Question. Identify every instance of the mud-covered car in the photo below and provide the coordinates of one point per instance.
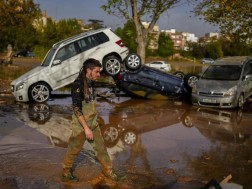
(63, 61)
(151, 83)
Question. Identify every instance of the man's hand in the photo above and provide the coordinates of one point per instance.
(89, 133)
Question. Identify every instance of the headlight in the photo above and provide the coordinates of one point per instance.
(231, 92)
(20, 86)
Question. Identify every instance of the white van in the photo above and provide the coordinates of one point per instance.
(63, 61)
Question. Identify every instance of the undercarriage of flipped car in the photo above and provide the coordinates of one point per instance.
(151, 83)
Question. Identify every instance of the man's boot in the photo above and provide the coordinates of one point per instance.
(67, 175)
(110, 173)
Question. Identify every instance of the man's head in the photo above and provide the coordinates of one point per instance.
(92, 69)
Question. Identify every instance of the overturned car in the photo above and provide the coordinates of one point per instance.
(151, 83)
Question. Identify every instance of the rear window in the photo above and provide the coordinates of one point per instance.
(102, 37)
(92, 41)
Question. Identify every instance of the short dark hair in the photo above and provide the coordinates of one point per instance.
(91, 63)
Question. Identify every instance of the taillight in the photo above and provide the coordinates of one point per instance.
(119, 77)
(120, 43)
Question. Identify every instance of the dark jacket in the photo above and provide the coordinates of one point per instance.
(78, 94)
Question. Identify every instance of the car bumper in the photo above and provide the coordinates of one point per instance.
(124, 53)
(20, 95)
(219, 102)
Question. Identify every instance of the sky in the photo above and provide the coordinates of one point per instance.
(178, 18)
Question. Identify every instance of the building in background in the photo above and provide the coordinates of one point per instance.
(154, 34)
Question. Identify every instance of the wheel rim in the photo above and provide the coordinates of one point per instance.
(133, 61)
(240, 101)
(130, 138)
(192, 80)
(180, 75)
(40, 93)
(113, 66)
(188, 122)
(110, 134)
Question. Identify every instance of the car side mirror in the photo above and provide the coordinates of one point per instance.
(56, 62)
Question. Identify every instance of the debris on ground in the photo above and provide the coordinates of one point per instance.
(224, 184)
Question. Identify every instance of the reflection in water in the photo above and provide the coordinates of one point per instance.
(53, 121)
(143, 135)
(231, 132)
(221, 125)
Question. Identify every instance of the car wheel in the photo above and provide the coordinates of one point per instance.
(39, 113)
(238, 116)
(133, 61)
(39, 92)
(240, 102)
(111, 65)
(129, 137)
(191, 79)
(179, 74)
(110, 135)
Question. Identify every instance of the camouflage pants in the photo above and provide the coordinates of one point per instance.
(78, 138)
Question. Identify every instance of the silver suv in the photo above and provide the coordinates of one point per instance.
(226, 83)
(63, 61)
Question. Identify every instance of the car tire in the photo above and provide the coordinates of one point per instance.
(129, 137)
(110, 135)
(133, 61)
(179, 74)
(239, 116)
(187, 120)
(39, 113)
(39, 92)
(111, 65)
(190, 80)
(240, 101)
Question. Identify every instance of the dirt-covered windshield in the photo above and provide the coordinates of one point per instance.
(223, 72)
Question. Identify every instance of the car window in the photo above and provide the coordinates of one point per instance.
(66, 52)
(48, 57)
(101, 37)
(223, 72)
(247, 69)
(86, 43)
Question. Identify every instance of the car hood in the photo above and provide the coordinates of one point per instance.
(215, 85)
(34, 72)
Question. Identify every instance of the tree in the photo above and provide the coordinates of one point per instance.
(137, 11)
(16, 18)
(96, 24)
(67, 27)
(232, 16)
(165, 45)
(128, 35)
(213, 50)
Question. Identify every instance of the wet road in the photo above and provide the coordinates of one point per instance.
(157, 144)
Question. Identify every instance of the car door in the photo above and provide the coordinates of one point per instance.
(247, 79)
(69, 60)
(66, 65)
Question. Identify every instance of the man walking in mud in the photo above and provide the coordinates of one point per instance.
(84, 123)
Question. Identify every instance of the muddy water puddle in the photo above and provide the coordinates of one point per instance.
(157, 144)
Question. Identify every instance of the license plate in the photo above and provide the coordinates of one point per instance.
(207, 100)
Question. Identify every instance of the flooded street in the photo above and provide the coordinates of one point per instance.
(157, 144)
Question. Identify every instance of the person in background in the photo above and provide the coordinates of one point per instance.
(84, 123)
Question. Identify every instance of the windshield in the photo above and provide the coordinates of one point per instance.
(222, 72)
(48, 57)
